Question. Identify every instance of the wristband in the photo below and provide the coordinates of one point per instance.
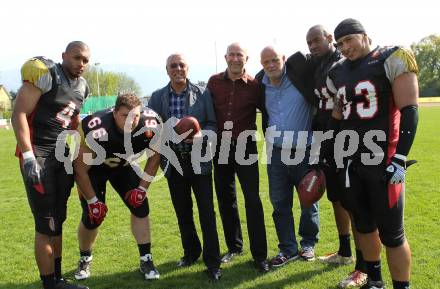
(92, 200)
(28, 155)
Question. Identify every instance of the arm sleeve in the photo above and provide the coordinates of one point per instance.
(210, 114)
(331, 85)
(36, 72)
(400, 61)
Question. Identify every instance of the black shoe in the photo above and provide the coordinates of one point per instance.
(63, 284)
(230, 255)
(214, 274)
(262, 266)
(185, 262)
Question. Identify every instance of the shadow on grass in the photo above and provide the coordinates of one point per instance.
(298, 280)
(233, 275)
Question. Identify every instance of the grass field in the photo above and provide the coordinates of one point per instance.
(115, 252)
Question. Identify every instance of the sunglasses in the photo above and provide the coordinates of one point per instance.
(175, 65)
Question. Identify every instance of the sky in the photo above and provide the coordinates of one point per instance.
(137, 36)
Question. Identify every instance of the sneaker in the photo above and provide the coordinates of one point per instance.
(147, 267)
(64, 284)
(84, 266)
(230, 255)
(307, 253)
(281, 259)
(373, 285)
(336, 259)
(354, 279)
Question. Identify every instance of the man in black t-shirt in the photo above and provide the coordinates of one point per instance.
(48, 103)
(115, 137)
(325, 54)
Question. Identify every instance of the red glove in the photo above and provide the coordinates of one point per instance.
(97, 211)
(136, 197)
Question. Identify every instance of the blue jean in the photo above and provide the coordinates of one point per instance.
(282, 179)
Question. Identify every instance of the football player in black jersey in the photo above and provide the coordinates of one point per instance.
(114, 137)
(376, 97)
(325, 54)
(48, 103)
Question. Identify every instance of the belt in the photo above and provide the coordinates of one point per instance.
(183, 154)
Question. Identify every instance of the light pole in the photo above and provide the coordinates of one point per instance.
(97, 76)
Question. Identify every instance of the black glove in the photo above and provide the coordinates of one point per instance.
(31, 171)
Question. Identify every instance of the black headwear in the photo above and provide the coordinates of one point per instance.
(348, 26)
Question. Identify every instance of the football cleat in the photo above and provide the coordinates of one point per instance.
(336, 259)
(373, 285)
(354, 279)
(64, 284)
(84, 266)
(147, 268)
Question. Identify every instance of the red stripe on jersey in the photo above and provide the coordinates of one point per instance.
(394, 191)
(30, 119)
(393, 129)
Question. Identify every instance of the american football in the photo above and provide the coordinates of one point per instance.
(311, 187)
(187, 123)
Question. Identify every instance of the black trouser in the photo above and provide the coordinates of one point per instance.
(180, 190)
(248, 175)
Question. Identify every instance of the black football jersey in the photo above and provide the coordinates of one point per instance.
(364, 90)
(325, 96)
(61, 100)
(100, 133)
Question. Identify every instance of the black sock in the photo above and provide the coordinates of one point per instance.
(400, 284)
(48, 281)
(86, 253)
(344, 246)
(58, 268)
(374, 270)
(360, 263)
(144, 249)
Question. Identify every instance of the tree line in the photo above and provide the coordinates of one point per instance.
(427, 52)
(110, 83)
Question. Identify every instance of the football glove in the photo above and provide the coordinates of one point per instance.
(31, 172)
(136, 197)
(395, 171)
(97, 211)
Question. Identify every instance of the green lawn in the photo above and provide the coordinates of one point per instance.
(116, 257)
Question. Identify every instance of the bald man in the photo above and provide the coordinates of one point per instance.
(288, 109)
(237, 95)
(49, 102)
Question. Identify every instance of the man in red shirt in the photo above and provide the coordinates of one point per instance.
(236, 96)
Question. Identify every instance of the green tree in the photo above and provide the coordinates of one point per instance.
(110, 83)
(427, 53)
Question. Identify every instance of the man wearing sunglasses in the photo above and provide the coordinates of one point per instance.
(180, 98)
